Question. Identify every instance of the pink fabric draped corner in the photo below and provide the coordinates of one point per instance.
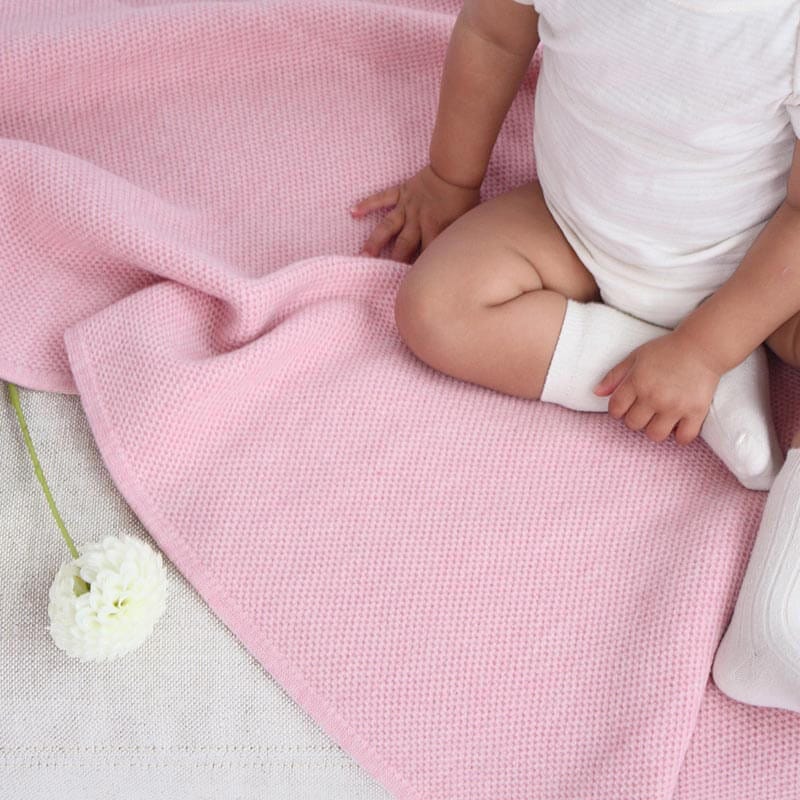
(479, 597)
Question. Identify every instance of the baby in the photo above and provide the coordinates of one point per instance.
(643, 271)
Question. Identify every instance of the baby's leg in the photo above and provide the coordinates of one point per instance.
(484, 302)
(758, 660)
(500, 298)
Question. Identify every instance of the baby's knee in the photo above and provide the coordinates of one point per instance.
(423, 314)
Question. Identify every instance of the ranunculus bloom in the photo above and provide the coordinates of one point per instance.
(127, 596)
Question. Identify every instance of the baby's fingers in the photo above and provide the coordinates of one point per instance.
(688, 429)
(613, 377)
(384, 231)
(660, 427)
(638, 416)
(383, 199)
(622, 399)
(407, 241)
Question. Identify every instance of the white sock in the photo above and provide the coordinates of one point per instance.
(758, 660)
(738, 428)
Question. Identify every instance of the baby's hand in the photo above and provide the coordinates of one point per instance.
(664, 383)
(422, 207)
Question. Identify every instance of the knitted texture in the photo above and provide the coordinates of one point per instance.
(478, 596)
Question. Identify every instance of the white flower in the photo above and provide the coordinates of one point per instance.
(127, 596)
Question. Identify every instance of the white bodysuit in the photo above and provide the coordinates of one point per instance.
(664, 132)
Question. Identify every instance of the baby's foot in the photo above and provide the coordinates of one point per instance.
(739, 427)
(758, 660)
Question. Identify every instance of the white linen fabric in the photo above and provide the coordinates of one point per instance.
(664, 136)
(190, 714)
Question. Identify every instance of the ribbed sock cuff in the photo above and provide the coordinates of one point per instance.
(594, 338)
(559, 385)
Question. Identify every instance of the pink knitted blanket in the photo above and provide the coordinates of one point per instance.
(479, 597)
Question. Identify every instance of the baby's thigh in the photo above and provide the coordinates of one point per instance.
(498, 250)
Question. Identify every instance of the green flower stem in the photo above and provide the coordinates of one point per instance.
(81, 585)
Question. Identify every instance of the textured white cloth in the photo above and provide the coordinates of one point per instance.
(664, 135)
(758, 660)
(739, 428)
(190, 715)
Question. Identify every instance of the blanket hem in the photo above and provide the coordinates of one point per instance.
(38, 380)
(277, 665)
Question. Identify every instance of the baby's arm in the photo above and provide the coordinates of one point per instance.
(489, 52)
(670, 381)
(760, 296)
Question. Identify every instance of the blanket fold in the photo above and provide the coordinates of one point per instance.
(478, 596)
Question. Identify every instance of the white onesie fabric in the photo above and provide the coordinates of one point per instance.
(664, 136)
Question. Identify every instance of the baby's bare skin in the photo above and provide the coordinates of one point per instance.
(485, 298)
(462, 313)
